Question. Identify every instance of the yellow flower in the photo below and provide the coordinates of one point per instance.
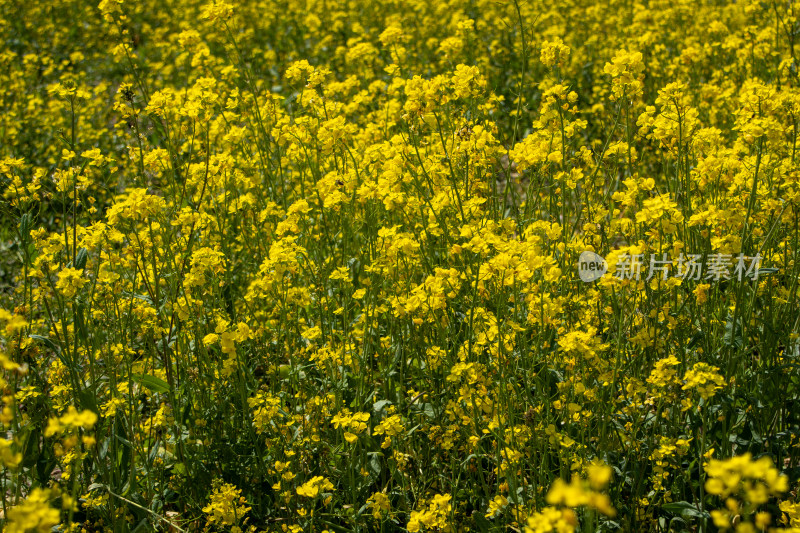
(599, 475)
(227, 506)
(578, 493)
(754, 480)
(217, 11)
(71, 420)
(553, 52)
(391, 35)
(431, 516)
(314, 487)
(705, 378)
(379, 503)
(70, 281)
(496, 506)
(34, 514)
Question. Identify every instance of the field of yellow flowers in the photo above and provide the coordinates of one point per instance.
(413, 265)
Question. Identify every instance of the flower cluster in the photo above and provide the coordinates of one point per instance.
(227, 506)
(745, 484)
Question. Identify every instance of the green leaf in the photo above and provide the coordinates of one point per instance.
(47, 342)
(31, 449)
(334, 526)
(379, 406)
(685, 510)
(83, 333)
(88, 400)
(374, 464)
(696, 338)
(25, 224)
(80, 260)
(151, 383)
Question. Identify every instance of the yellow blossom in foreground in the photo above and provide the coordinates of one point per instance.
(755, 480)
(33, 515)
(551, 519)
(71, 420)
(577, 493)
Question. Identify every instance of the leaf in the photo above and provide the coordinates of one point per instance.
(374, 464)
(80, 259)
(427, 410)
(25, 223)
(151, 383)
(334, 526)
(481, 521)
(83, 333)
(378, 406)
(143, 525)
(696, 338)
(31, 450)
(144, 298)
(88, 400)
(685, 510)
(179, 469)
(47, 342)
(733, 333)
